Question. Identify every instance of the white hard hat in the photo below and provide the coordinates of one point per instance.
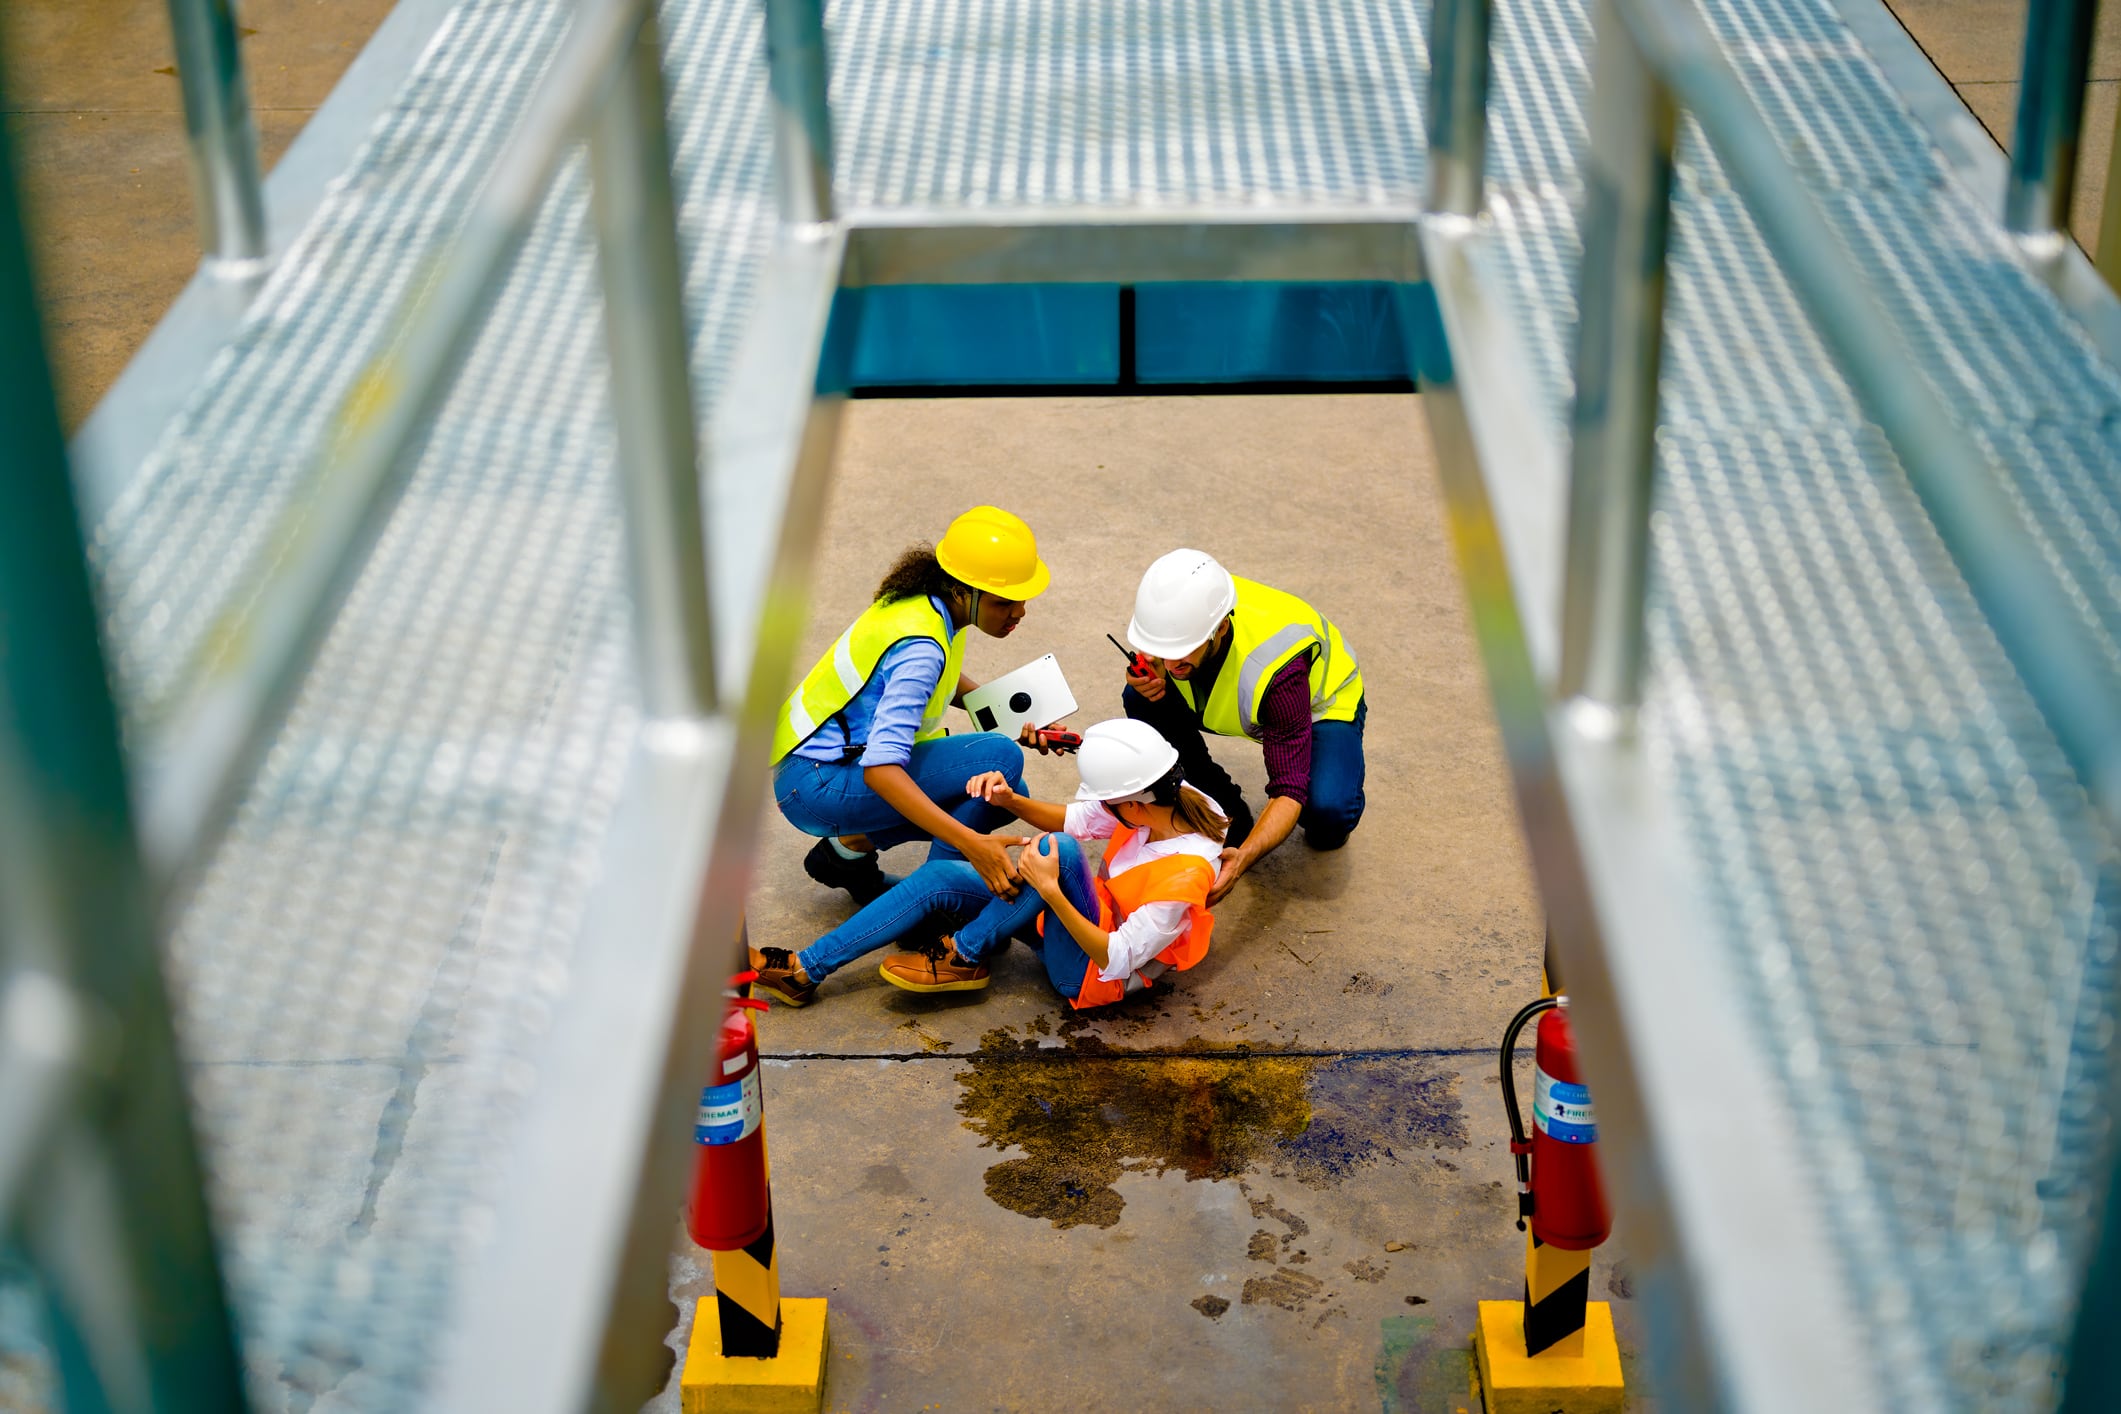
(1182, 598)
(1120, 760)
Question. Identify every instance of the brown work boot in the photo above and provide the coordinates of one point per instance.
(782, 976)
(939, 971)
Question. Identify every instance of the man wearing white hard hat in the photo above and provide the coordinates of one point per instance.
(1102, 935)
(1236, 658)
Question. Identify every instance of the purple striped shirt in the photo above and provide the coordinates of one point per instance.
(1285, 730)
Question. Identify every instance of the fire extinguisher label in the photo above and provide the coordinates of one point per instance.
(729, 1112)
(1562, 1110)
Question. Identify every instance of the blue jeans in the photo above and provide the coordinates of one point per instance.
(951, 892)
(1004, 918)
(830, 798)
(1336, 802)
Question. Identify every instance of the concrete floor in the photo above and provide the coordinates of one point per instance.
(88, 93)
(1200, 1190)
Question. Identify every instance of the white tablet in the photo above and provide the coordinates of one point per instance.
(1035, 693)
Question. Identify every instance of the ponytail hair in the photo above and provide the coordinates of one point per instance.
(916, 575)
(1194, 811)
(1190, 809)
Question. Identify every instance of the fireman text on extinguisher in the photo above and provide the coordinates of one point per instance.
(1562, 1110)
(729, 1112)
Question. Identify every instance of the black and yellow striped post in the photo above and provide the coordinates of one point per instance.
(1557, 1292)
(747, 1297)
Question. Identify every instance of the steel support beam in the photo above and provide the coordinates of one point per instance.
(1619, 335)
(915, 247)
(224, 141)
(1458, 106)
(651, 387)
(2058, 55)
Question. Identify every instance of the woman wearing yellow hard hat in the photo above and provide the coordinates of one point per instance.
(860, 758)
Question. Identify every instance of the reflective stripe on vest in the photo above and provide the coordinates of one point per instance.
(839, 677)
(1267, 629)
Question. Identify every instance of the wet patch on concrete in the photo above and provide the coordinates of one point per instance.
(885, 1178)
(1367, 1108)
(1082, 1113)
(1287, 1288)
(1264, 1208)
(1083, 1120)
(921, 1036)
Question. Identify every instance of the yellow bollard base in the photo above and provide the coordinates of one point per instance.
(1512, 1382)
(792, 1382)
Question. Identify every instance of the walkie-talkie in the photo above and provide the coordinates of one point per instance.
(1139, 662)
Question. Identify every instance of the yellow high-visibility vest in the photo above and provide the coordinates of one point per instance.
(840, 675)
(1268, 628)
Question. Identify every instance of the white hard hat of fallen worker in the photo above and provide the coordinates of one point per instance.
(1182, 597)
(1120, 760)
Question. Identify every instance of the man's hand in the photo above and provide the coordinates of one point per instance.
(1029, 736)
(992, 787)
(1234, 865)
(1149, 684)
(990, 855)
(1040, 866)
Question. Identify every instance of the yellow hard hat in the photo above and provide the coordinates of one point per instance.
(994, 551)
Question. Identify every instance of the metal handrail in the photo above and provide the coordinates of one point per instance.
(102, 997)
(1458, 106)
(252, 660)
(99, 1176)
(1654, 59)
(2039, 627)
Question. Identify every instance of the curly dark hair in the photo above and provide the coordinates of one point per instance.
(916, 573)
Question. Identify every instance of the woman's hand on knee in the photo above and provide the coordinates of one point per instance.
(992, 787)
(1039, 864)
(989, 854)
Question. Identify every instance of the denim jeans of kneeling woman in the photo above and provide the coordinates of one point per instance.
(950, 892)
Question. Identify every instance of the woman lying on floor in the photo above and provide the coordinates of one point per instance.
(1103, 935)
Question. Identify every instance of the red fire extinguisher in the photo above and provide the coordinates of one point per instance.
(1557, 1167)
(728, 1207)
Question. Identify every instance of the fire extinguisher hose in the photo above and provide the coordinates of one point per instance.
(1520, 1144)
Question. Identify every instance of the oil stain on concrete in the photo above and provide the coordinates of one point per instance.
(1082, 1114)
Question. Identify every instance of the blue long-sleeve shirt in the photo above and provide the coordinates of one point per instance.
(885, 715)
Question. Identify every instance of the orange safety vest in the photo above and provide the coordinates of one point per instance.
(1184, 878)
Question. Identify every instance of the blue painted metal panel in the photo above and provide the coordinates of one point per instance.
(1232, 333)
(957, 334)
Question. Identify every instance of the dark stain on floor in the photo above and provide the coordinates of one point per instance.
(1368, 1108)
(1083, 1113)
(1210, 1306)
(1083, 1121)
(1287, 1288)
